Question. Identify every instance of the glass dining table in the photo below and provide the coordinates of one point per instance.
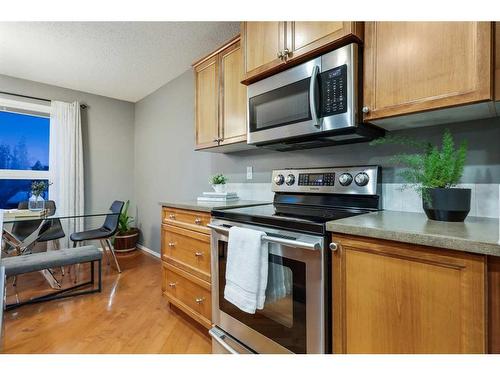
(23, 230)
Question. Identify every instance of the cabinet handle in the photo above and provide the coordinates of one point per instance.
(280, 55)
(171, 244)
(171, 216)
(199, 300)
(172, 285)
(216, 140)
(198, 254)
(197, 221)
(333, 247)
(286, 53)
(365, 109)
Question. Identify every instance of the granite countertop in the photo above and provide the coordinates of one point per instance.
(209, 206)
(475, 235)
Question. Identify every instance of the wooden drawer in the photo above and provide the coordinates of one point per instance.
(188, 293)
(187, 250)
(192, 220)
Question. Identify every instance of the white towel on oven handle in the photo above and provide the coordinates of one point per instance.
(246, 269)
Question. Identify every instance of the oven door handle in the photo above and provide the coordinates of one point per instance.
(223, 340)
(220, 340)
(277, 240)
(312, 97)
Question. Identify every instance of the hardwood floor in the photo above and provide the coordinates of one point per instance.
(128, 316)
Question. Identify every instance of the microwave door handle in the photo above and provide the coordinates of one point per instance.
(312, 97)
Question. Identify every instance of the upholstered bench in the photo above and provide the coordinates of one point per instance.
(52, 259)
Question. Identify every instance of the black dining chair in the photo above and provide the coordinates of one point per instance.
(103, 233)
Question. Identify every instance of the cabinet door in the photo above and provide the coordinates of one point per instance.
(411, 67)
(306, 37)
(262, 41)
(233, 122)
(493, 305)
(207, 101)
(390, 297)
(497, 61)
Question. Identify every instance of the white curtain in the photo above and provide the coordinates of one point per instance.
(66, 162)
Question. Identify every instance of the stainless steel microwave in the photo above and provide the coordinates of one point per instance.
(310, 105)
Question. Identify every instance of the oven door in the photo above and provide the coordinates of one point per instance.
(284, 105)
(293, 318)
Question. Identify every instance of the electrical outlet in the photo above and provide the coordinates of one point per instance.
(249, 173)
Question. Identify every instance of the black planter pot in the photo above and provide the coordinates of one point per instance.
(446, 204)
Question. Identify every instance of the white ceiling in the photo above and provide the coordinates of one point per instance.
(123, 60)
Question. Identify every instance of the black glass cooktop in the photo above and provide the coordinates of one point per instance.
(309, 219)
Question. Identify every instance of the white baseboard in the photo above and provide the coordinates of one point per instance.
(149, 251)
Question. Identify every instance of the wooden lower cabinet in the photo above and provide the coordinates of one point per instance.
(494, 305)
(188, 293)
(185, 254)
(390, 297)
(195, 221)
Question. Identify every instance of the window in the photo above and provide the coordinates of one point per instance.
(24, 150)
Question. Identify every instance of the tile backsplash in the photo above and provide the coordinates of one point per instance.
(484, 199)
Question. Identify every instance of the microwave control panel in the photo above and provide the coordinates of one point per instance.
(333, 84)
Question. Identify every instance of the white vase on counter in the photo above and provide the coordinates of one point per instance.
(219, 188)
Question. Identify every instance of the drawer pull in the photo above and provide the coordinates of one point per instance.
(172, 285)
(171, 216)
(198, 254)
(197, 221)
(199, 300)
(171, 244)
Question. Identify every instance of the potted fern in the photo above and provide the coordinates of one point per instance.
(127, 236)
(434, 173)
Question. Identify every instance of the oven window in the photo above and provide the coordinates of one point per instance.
(283, 318)
(285, 105)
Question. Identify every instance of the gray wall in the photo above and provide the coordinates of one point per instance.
(167, 168)
(108, 139)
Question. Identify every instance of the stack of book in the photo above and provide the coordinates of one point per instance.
(212, 196)
(15, 213)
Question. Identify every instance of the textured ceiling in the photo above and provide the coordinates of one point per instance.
(123, 60)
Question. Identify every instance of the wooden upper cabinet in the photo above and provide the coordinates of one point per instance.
(221, 99)
(233, 122)
(411, 67)
(497, 61)
(262, 43)
(207, 101)
(265, 42)
(305, 37)
(390, 297)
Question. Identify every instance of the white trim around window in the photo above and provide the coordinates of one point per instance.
(19, 106)
(25, 174)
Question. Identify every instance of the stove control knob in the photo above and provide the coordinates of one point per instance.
(290, 179)
(361, 179)
(279, 179)
(345, 179)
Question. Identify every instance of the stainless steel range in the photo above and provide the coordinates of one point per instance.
(297, 318)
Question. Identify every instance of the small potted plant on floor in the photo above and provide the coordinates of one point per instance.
(434, 173)
(126, 238)
(218, 182)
